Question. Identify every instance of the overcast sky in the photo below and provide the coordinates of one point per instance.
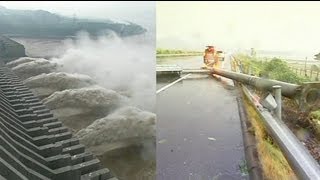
(139, 12)
(284, 26)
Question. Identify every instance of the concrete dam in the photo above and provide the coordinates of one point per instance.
(10, 49)
(59, 125)
(34, 144)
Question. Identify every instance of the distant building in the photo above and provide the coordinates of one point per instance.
(317, 56)
(10, 50)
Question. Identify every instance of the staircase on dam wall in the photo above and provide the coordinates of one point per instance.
(34, 144)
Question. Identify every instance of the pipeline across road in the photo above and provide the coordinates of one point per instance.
(307, 94)
(287, 89)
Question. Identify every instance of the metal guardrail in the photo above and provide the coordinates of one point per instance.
(298, 157)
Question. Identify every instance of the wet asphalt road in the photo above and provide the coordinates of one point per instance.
(198, 128)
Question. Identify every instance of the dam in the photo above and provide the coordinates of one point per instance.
(10, 49)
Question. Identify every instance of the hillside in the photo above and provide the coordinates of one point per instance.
(39, 23)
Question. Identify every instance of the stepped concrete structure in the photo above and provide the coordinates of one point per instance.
(34, 144)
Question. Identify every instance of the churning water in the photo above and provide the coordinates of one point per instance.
(104, 90)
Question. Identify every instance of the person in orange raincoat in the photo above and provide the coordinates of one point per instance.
(210, 58)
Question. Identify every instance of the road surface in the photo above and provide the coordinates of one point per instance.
(198, 128)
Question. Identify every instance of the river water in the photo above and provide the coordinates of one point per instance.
(198, 128)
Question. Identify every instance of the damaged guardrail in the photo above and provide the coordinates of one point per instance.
(298, 157)
(306, 95)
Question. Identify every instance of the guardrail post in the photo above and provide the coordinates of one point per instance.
(297, 155)
(277, 94)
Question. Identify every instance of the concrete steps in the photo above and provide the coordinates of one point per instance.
(36, 145)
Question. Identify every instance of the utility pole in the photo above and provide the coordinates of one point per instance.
(253, 52)
(305, 67)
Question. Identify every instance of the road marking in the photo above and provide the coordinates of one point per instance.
(169, 85)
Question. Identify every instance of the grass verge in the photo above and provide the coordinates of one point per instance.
(272, 161)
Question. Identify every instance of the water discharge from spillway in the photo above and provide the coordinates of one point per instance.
(33, 68)
(78, 108)
(124, 65)
(103, 89)
(45, 85)
(126, 125)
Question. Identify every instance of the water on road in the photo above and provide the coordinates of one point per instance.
(198, 128)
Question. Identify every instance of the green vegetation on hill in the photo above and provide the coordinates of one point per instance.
(39, 23)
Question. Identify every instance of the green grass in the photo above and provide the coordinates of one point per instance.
(273, 163)
(315, 122)
(275, 68)
(176, 51)
(315, 114)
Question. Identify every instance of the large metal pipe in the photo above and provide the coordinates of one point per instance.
(306, 95)
(287, 89)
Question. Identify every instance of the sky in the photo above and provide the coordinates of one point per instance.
(142, 13)
(272, 26)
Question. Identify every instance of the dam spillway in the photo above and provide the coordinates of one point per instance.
(35, 144)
